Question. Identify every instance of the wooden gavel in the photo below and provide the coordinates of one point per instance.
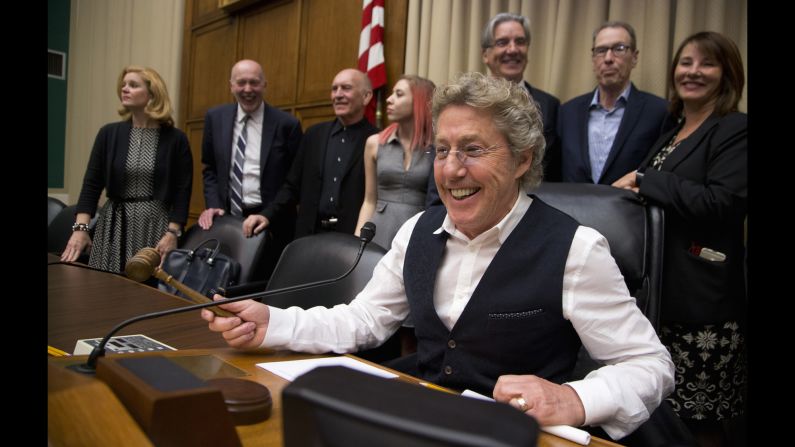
(146, 263)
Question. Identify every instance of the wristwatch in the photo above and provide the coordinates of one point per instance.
(177, 233)
(638, 178)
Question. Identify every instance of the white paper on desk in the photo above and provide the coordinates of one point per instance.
(291, 369)
(563, 431)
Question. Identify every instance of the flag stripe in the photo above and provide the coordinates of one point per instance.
(377, 17)
(371, 48)
(364, 40)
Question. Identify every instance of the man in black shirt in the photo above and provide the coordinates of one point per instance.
(326, 180)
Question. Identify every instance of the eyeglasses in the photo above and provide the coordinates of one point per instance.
(470, 151)
(618, 49)
(502, 43)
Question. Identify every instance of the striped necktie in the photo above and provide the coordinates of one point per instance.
(236, 179)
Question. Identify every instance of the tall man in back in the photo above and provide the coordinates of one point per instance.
(504, 44)
(326, 180)
(606, 133)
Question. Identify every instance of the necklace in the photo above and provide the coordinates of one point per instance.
(659, 159)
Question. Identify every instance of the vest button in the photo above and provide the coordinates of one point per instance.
(451, 344)
(448, 370)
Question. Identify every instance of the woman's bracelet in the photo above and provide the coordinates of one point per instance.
(80, 227)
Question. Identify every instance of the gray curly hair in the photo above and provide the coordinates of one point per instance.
(515, 114)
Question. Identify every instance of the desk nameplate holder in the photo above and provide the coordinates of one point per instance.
(122, 344)
(172, 406)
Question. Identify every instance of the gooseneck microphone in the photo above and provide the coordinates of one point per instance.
(366, 235)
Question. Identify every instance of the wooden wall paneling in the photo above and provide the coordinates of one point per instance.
(329, 43)
(270, 37)
(311, 115)
(194, 132)
(202, 7)
(187, 50)
(396, 20)
(206, 60)
(212, 57)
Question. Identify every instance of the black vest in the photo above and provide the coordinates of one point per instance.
(513, 323)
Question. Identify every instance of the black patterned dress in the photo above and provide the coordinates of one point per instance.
(709, 360)
(137, 220)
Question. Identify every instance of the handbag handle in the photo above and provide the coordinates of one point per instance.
(211, 259)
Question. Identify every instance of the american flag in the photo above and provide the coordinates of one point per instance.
(371, 48)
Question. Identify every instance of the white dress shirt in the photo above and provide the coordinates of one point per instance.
(251, 166)
(619, 396)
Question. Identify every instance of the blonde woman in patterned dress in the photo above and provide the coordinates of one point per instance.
(145, 166)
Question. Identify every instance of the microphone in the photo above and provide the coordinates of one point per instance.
(366, 235)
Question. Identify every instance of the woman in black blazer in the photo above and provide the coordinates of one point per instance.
(145, 165)
(698, 174)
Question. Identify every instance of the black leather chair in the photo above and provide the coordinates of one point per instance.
(54, 206)
(229, 232)
(60, 230)
(325, 256)
(634, 230)
(318, 257)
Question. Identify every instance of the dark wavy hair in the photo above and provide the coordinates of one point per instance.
(723, 51)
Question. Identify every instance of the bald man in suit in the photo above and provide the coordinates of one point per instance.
(272, 140)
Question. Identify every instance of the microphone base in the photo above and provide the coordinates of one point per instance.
(83, 368)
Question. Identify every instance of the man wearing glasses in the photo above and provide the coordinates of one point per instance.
(504, 45)
(503, 289)
(607, 133)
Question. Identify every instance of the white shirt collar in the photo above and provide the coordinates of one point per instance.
(256, 117)
(503, 228)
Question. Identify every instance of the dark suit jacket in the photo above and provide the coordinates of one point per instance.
(281, 136)
(645, 118)
(703, 188)
(173, 169)
(304, 182)
(549, 107)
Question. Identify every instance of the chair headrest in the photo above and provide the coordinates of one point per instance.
(319, 257)
(618, 214)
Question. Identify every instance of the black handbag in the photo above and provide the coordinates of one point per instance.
(203, 269)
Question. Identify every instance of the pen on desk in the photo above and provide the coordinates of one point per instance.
(436, 387)
(55, 352)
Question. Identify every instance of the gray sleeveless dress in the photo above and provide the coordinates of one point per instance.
(401, 194)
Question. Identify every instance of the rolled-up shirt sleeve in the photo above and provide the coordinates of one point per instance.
(638, 371)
